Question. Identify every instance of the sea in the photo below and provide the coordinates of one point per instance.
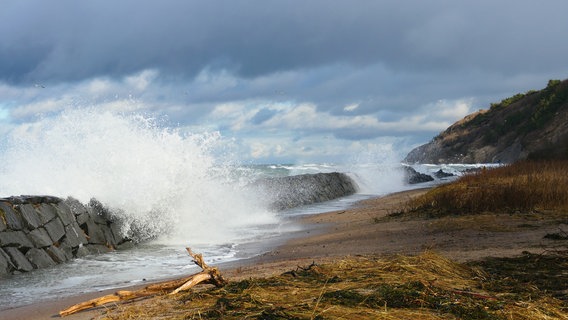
(186, 190)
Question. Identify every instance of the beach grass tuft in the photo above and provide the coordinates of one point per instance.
(522, 187)
(427, 286)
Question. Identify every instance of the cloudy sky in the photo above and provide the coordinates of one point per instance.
(287, 81)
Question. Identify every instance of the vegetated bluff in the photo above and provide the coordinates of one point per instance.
(533, 125)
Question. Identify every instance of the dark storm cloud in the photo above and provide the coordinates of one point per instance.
(268, 71)
(74, 40)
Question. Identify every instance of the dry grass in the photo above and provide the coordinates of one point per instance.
(427, 286)
(521, 187)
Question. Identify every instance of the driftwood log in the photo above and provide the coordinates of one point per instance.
(209, 275)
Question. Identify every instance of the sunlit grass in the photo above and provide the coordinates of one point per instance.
(427, 286)
(521, 187)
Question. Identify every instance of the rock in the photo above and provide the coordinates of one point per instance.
(33, 199)
(109, 237)
(30, 216)
(64, 213)
(128, 244)
(76, 207)
(288, 192)
(95, 233)
(6, 264)
(414, 177)
(98, 248)
(40, 238)
(39, 258)
(440, 174)
(99, 212)
(67, 249)
(15, 239)
(82, 251)
(116, 229)
(3, 225)
(47, 212)
(12, 219)
(56, 254)
(82, 218)
(75, 236)
(42, 231)
(18, 259)
(55, 229)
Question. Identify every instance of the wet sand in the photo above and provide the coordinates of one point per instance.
(361, 230)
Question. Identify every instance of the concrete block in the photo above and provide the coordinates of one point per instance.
(64, 213)
(30, 216)
(20, 261)
(95, 233)
(16, 239)
(6, 265)
(56, 254)
(40, 238)
(46, 212)
(74, 235)
(76, 207)
(39, 258)
(82, 251)
(55, 229)
(10, 216)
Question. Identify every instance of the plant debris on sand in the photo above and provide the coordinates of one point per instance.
(427, 286)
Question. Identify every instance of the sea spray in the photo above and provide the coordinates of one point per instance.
(377, 170)
(156, 179)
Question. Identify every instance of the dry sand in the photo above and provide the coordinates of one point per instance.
(361, 230)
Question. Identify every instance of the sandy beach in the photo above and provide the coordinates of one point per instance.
(360, 230)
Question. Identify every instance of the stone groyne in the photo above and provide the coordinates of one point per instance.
(288, 192)
(42, 231)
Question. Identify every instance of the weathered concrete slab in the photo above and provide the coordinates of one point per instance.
(30, 216)
(47, 212)
(56, 254)
(64, 213)
(96, 234)
(55, 229)
(20, 261)
(40, 238)
(6, 264)
(16, 239)
(74, 235)
(11, 217)
(39, 258)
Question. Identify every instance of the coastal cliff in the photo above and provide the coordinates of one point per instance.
(531, 125)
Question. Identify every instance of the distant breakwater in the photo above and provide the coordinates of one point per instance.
(293, 191)
(42, 231)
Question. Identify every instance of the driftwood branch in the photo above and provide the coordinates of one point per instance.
(209, 275)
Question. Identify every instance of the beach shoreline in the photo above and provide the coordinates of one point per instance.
(359, 230)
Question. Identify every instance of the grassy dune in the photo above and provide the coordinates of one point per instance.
(521, 187)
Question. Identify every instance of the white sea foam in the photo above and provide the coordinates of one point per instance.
(162, 181)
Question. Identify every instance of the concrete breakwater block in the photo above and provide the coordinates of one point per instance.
(293, 191)
(42, 231)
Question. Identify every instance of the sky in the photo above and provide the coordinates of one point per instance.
(286, 81)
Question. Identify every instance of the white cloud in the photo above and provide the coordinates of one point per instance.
(449, 110)
(351, 107)
(141, 80)
(42, 107)
(99, 86)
